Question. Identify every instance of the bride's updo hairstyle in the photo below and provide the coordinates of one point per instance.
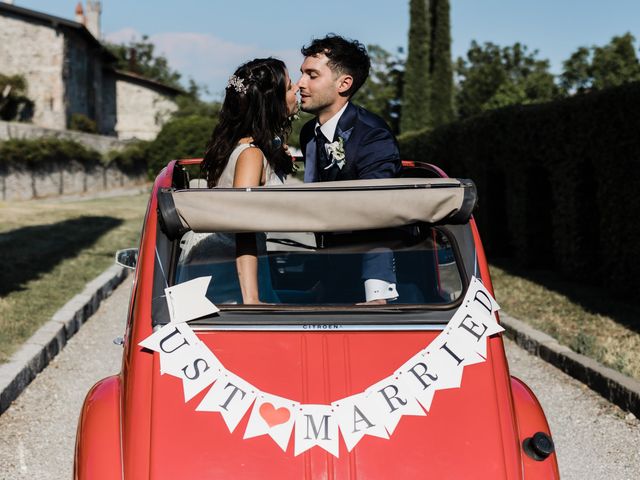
(254, 106)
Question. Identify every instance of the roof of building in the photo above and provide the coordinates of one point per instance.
(147, 82)
(56, 22)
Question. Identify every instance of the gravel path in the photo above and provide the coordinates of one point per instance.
(594, 439)
(37, 433)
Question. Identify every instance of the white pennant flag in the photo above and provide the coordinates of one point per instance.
(390, 400)
(187, 301)
(202, 369)
(419, 378)
(169, 338)
(449, 370)
(173, 342)
(316, 425)
(274, 416)
(478, 293)
(357, 417)
(231, 396)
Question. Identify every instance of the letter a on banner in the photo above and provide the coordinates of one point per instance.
(356, 418)
(316, 425)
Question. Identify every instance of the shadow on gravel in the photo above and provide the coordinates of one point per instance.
(591, 297)
(29, 252)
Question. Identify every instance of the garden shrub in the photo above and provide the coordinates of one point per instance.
(182, 137)
(557, 182)
(82, 123)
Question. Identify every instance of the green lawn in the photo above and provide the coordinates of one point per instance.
(51, 249)
(587, 319)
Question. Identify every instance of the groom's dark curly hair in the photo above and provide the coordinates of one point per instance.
(345, 56)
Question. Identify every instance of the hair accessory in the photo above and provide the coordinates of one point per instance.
(237, 83)
(276, 142)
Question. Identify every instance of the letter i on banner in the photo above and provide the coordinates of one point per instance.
(357, 417)
(316, 425)
(274, 416)
(231, 396)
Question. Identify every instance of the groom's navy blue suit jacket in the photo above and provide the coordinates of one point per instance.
(371, 151)
(370, 147)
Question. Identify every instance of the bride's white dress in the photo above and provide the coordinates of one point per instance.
(215, 253)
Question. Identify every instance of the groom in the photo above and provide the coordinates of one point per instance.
(344, 141)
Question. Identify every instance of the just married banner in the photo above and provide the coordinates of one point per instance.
(376, 411)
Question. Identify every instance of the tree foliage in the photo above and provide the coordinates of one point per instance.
(190, 103)
(492, 76)
(416, 93)
(595, 68)
(14, 104)
(382, 90)
(183, 137)
(441, 67)
(139, 56)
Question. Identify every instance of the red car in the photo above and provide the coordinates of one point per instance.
(315, 382)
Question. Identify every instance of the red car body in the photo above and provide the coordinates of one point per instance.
(136, 424)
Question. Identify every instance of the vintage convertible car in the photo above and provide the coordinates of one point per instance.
(309, 384)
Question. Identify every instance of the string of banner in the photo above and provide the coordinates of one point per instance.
(376, 411)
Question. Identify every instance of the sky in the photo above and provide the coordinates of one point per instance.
(207, 39)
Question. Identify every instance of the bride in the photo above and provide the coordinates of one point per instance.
(248, 148)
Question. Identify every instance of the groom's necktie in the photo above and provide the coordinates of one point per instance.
(323, 160)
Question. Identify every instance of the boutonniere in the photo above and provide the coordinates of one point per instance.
(336, 153)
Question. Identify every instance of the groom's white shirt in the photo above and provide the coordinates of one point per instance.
(328, 128)
(374, 288)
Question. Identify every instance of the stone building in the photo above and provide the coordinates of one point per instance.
(69, 71)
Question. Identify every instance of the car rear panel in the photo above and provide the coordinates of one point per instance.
(465, 434)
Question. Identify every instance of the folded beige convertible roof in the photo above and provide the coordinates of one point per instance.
(317, 207)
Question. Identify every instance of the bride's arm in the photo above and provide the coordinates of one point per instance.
(248, 173)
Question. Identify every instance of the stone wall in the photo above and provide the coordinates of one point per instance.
(70, 178)
(141, 111)
(101, 143)
(36, 52)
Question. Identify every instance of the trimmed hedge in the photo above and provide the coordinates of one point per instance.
(40, 153)
(557, 182)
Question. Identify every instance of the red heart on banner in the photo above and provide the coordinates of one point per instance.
(274, 416)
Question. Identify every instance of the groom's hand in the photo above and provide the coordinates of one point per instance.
(379, 301)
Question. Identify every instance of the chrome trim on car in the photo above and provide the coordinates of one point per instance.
(318, 327)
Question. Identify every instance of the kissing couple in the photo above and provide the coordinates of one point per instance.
(343, 142)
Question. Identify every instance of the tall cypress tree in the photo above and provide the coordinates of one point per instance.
(441, 68)
(416, 93)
